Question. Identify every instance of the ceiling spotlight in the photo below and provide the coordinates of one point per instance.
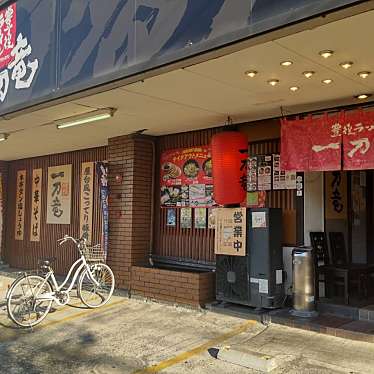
(286, 63)
(308, 74)
(294, 88)
(81, 119)
(3, 137)
(346, 65)
(273, 82)
(362, 96)
(364, 74)
(326, 53)
(251, 73)
(327, 81)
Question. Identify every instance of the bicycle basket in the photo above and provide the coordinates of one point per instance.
(94, 254)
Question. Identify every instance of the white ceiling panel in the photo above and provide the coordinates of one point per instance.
(203, 95)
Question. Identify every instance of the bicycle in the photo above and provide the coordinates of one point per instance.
(30, 297)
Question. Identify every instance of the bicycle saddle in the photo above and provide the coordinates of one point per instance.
(47, 260)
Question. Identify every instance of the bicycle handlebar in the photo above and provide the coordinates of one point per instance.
(67, 237)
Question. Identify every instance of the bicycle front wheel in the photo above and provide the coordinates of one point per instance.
(23, 305)
(96, 285)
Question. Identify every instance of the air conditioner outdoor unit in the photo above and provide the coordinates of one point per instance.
(255, 279)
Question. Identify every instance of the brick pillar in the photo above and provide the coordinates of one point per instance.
(4, 165)
(130, 161)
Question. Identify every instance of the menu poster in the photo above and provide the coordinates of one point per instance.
(186, 218)
(279, 176)
(171, 219)
(171, 196)
(185, 166)
(252, 174)
(291, 180)
(200, 218)
(264, 166)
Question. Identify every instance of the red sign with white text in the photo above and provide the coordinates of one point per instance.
(358, 141)
(313, 144)
(8, 29)
(186, 166)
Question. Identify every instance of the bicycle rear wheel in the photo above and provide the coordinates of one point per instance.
(23, 306)
(95, 295)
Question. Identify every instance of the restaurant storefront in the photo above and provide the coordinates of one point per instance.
(142, 185)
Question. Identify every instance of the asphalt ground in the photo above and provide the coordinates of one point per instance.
(134, 336)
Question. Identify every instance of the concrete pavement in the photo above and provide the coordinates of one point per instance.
(133, 336)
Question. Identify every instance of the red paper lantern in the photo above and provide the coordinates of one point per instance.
(229, 159)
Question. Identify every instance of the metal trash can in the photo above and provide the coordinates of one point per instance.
(303, 286)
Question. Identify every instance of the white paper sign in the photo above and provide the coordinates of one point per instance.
(258, 220)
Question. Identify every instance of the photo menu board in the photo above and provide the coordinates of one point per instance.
(186, 177)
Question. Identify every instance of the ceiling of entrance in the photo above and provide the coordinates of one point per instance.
(203, 95)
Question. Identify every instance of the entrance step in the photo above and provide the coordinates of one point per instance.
(367, 313)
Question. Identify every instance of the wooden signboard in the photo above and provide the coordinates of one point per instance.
(59, 195)
(36, 204)
(86, 200)
(20, 204)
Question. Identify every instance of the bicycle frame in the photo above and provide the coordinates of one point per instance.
(50, 275)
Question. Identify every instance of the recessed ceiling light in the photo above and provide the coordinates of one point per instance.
(326, 53)
(346, 64)
(364, 74)
(286, 63)
(251, 73)
(273, 82)
(327, 81)
(294, 88)
(362, 96)
(308, 74)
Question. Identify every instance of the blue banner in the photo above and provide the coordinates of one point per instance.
(52, 48)
(102, 172)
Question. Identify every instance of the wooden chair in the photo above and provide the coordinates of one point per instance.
(344, 273)
(335, 267)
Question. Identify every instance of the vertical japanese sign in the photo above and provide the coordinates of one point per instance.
(230, 234)
(59, 195)
(336, 195)
(15, 55)
(279, 175)
(20, 204)
(264, 173)
(36, 204)
(102, 172)
(86, 201)
(252, 174)
(8, 25)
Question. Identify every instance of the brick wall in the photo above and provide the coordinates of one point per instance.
(130, 160)
(4, 167)
(181, 287)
